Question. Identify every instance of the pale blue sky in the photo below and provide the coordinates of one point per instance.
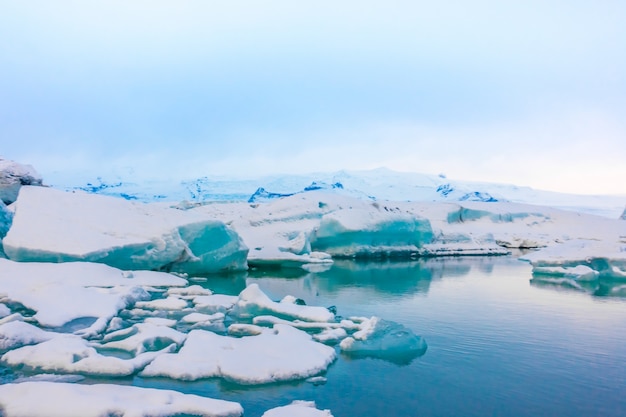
(528, 92)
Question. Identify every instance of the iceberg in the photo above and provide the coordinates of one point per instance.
(120, 233)
(46, 399)
(370, 232)
(384, 339)
(282, 353)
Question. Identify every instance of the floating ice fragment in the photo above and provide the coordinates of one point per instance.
(331, 335)
(254, 302)
(386, 340)
(215, 303)
(192, 290)
(143, 337)
(76, 400)
(578, 273)
(242, 329)
(62, 293)
(169, 303)
(279, 354)
(200, 317)
(73, 355)
(298, 409)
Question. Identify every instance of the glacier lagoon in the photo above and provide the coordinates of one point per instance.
(499, 343)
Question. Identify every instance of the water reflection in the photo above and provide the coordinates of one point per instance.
(596, 288)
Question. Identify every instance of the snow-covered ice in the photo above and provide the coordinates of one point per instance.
(97, 291)
(53, 399)
(282, 353)
(125, 234)
(254, 302)
(71, 354)
(297, 409)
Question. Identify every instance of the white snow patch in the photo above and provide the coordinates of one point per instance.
(48, 399)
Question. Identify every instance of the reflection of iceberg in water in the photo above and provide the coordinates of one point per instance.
(597, 287)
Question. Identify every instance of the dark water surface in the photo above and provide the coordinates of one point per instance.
(497, 344)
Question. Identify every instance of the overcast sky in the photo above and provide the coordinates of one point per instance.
(530, 92)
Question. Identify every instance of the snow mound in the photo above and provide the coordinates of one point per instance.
(120, 233)
(13, 176)
(46, 399)
(279, 354)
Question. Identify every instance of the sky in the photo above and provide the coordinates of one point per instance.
(528, 92)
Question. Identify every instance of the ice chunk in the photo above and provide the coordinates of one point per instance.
(97, 292)
(190, 291)
(16, 334)
(254, 302)
(386, 340)
(200, 317)
(160, 321)
(279, 354)
(215, 303)
(46, 399)
(120, 233)
(297, 409)
(579, 272)
(143, 337)
(370, 232)
(169, 303)
(73, 355)
(242, 329)
(13, 176)
(582, 259)
(331, 335)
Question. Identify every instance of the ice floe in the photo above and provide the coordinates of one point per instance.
(125, 234)
(384, 339)
(297, 409)
(282, 353)
(47, 399)
(254, 302)
(66, 353)
(96, 291)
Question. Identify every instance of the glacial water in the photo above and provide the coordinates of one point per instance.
(498, 344)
